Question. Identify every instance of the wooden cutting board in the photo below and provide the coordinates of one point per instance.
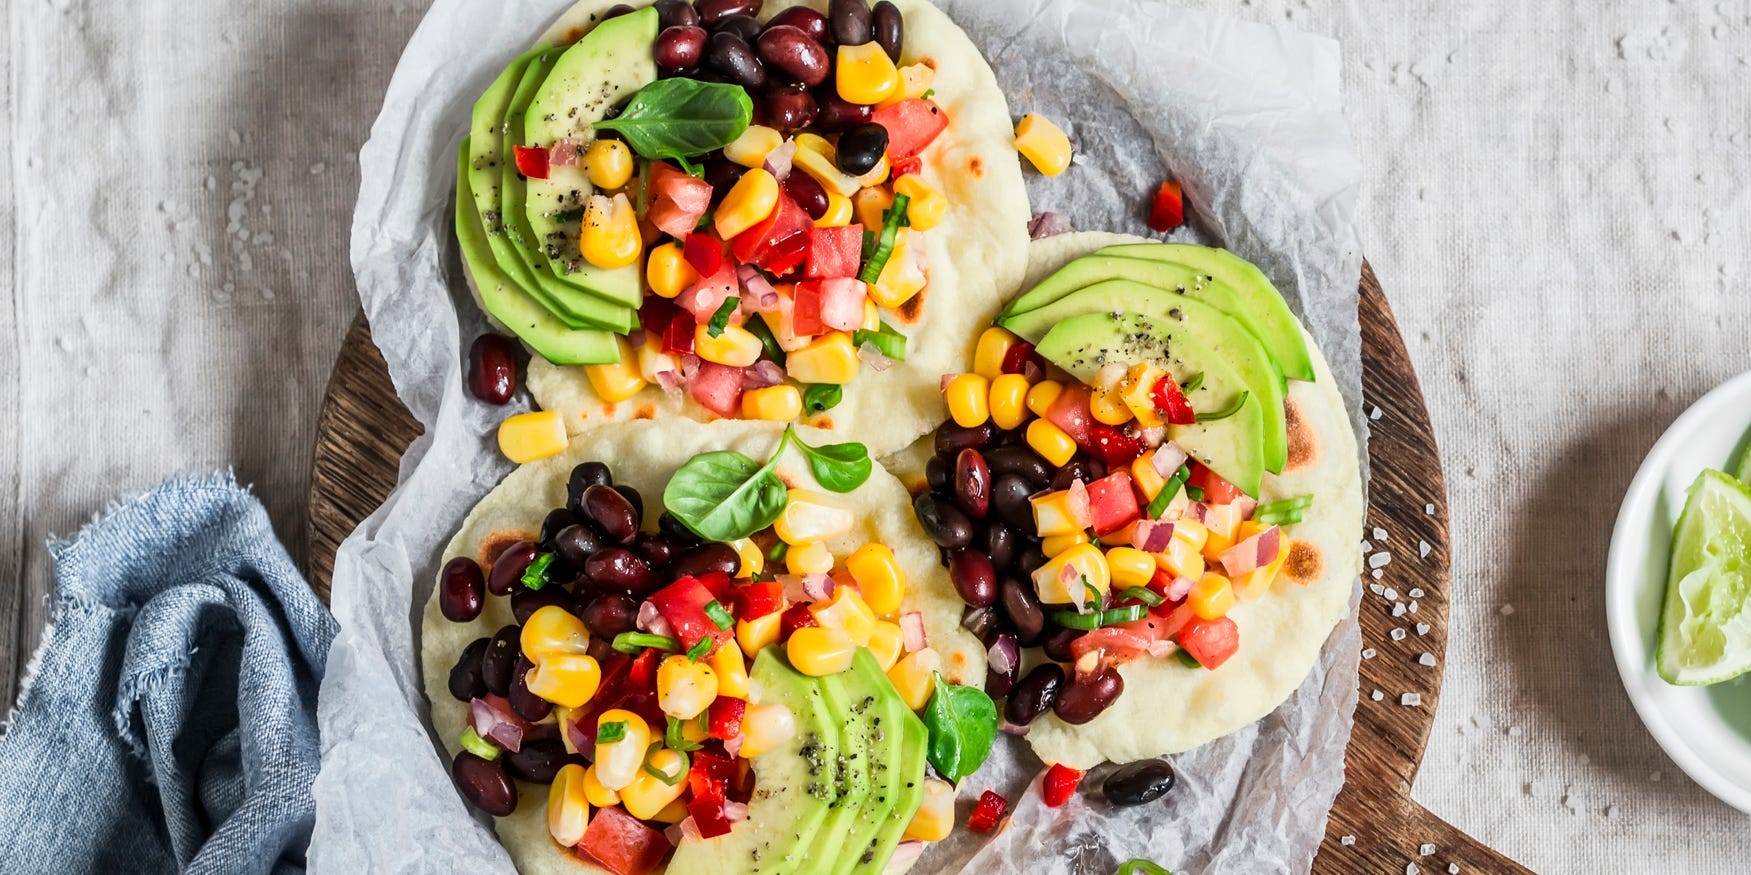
(1375, 827)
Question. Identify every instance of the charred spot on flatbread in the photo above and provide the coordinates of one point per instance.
(496, 543)
(1304, 446)
(608, 409)
(976, 166)
(1305, 564)
(825, 423)
(645, 411)
(912, 307)
(928, 61)
(572, 35)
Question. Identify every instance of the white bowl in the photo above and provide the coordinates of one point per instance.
(1705, 730)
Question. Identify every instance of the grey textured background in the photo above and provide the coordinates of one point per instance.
(1555, 199)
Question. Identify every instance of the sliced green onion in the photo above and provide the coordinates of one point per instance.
(768, 344)
(480, 747)
(1143, 594)
(721, 319)
(635, 643)
(886, 340)
(822, 397)
(1193, 382)
(699, 649)
(1195, 493)
(777, 552)
(641, 199)
(1228, 411)
(1299, 502)
(1158, 504)
(719, 615)
(535, 576)
(1280, 518)
(884, 249)
(1097, 619)
(1141, 867)
(675, 740)
(669, 779)
(608, 733)
(1185, 656)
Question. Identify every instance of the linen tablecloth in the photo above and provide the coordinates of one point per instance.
(1556, 200)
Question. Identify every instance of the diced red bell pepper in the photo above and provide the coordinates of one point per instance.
(710, 816)
(989, 810)
(756, 600)
(912, 125)
(717, 388)
(678, 335)
(1112, 502)
(708, 293)
(719, 584)
(1116, 444)
(787, 254)
(682, 605)
(642, 674)
(1210, 642)
(532, 163)
(905, 167)
(795, 617)
(832, 303)
(678, 200)
(1015, 361)
(623, 844)
(704, 253)
(1216, 489)
(725, 717)
(655, 313)
(1070, 413)
(1060, 784)
(835, 252)
(1168, 210)
(1172, 402)
(769, 244)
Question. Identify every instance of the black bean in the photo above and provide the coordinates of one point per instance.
(611, 514)
(528, 601)
(745, 26)
(634, 498)
(1021, 461)
(1036, 692)
(888, 27)
(936, 475)
(492, 368)
(525, 704)
(1010, 498)
(671, 13)
(576, 542)
(681, 47)
(461, 590)
(802, 18)
(952, 438)
(836, 114)
(500, 659)
(942, 522)
(619, 569)
(795, 54)
(706, 559)
(1079, 468)
(1057, 644)
(465, 680)
(679, 535)
(610, 614)
(537, 761)
(972, 483)
(982, 622)
(556, 519)
(723, 174)
(654, 549)
(861, 149)
(485, 784)
(735, 58)
(974, 578)
(1030, 559)
(584, 476)
(1085, 698)
(788, 107)
(507, 570)
(713, 11)
(1001, 544)
(1138, 783)
(1023, 609)
(848, 21)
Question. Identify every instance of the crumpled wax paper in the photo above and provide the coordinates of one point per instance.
(1247, 116)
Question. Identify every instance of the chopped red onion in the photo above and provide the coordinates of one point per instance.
(1154, 436)
(1253, 553)
(733, 744)
(563, 154)
(1161, 647)
(1179, 589)
(1032, 371)
(912, 634)
(765, 372)
(1008, 728)
(574, 731)
(1087, 664)
(635, 338)
(1047, 224)
(905, 854)
(689, 366)
(1196, 511)
(1003, 654)
(793, 587)
(670, 382)
(735, 812)
(778, 160)
(942, 384)
(493, 719)
(869, 355)
(759, 296)
(1080, 512)
(1151, 536)
(1245, 506)
(1168, 458)
(651, 620)
(818, 587)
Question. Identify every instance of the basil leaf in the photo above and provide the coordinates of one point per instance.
(682, 118)
(822, 397)
(757, 327)
(838, 467)
(962, 722)
(724, 495)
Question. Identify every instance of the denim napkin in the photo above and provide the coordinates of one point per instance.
(169, 721)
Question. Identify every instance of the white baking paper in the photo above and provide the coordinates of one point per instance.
(1246, 116)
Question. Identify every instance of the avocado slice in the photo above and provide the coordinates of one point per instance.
(875, 706)
(509, 302)
(1222, 334)
(793, 785)
(851, 770)
(1232, 446)
(592, 77)
(1276, 324)
(579, 302)
(907, 780)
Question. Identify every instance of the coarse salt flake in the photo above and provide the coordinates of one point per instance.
(1425, 849)
(1452, 869)
(1398, 609)
(1398, 634)
(1376, 589)
(1515, 732)
(1380, 560)
(1423, 549)
(1429, 509)
(1347, 841)
(1416, 592)
(1366, 546)
(1507, 610)
(1411, 869)
(1378, 574)
(1427, 659)
(1375, 413)
(1413, 606)
(1392, 594)
(1376, 695)
(1411, 700)
(1370, 653)
(1379, 534)
(1423, 628)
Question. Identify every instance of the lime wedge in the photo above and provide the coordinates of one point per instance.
(1744, 473)
(1705, 624)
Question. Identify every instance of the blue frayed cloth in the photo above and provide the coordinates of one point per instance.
(170, 723)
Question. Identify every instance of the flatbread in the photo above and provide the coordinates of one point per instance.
(644, 455)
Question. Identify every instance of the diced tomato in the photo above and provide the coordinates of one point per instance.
(833, 303)
(642, 674)
(1117, 445)
(678, 335)
(1118, 642)
(717, 388)
(623, 844)
(1168, 210)
(682, 605)
(654, 314)
(795, 617)
(835, 252)
(989, 810)
(710, 816)
(1172, 402)
(725, 717)
(905, 167)
(704, 253)
(912, 125)
(1216, 489)
(532, 163)
(1210, 642)
(769, 244)
(1060, 784)
(756, 600)
(678, 200)
(1070, 413)
(1015, 361)
(1112, 500)
(707, 294)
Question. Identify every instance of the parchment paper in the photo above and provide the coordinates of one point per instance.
(1247, 116)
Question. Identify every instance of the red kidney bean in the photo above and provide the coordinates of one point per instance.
(706, 559)
(616, 11)
(942, 522)
(461, 590)
(713, 11)
(610, 614)
(537, 761)
(804, 19)
(1022, 462)
(974, 578)
(680, 47)
(791, 51)
(671, 13)
(1057, 644)
(583, 477)
(788, 107)
(731, 55)
(465, 680)
(1009, 497)
(611, 514)
(861, 148)
(500, 658)
(982, 622)
(952, 438)
(888, 27)
(484, 784)
(848, 21)
(525, 704)
(492, 368)
(1034, 694)
(620, 569)
(1085, 698)
(507, 571)
(1001, 544)
(972, 483)
(807, 193)
(1016, 596)
(836, 114)
(528, 601)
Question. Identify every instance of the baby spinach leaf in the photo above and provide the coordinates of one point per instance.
(681, 118)
(838, 467)
(822, 397)
(963, 723)
(724, 495)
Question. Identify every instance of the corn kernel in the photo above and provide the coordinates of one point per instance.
(865, 74)
(817, 144)
(872, 315)
(1052, 515)
(667, 272)
(810, 516)
(568, 808)
(871, 206)
(750, 559)
(969, 400)
(1223, 523)
(1130, 566)
(903, 276)
(847, 614)
(753, 635)
(1181, 558)
(748, 203)
(1050, 442)
(648, 794)
(691, 730)
(1258, 581)
(685, 687)
(618, 762)
(877, 174)
(530, 436)
(616, 381)
(878, 574)
(822, 169)
(1147, 480)
(1043, 395)
(886, 643)
(1009, 401)
(991, 349)
(1137, 391)
(838, 213)
(810, 558)
(673, 813)
(915, 80)
(1107, 406)
(935, 817)
(598, 795)
(829, 358)
(914, 677)
(1044, 144)
(732, 671)
(1211, 597)
(1089, 568)
(552, 630)
(781, 403)
(1192, 532)
(734, 346)
(568, 679)
(817, 651)
(1053, 545)
(610, 238)
(609, 163)
(751, 148)
(765, 727)
(782, 321)
(653, 361)
(928, 205)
